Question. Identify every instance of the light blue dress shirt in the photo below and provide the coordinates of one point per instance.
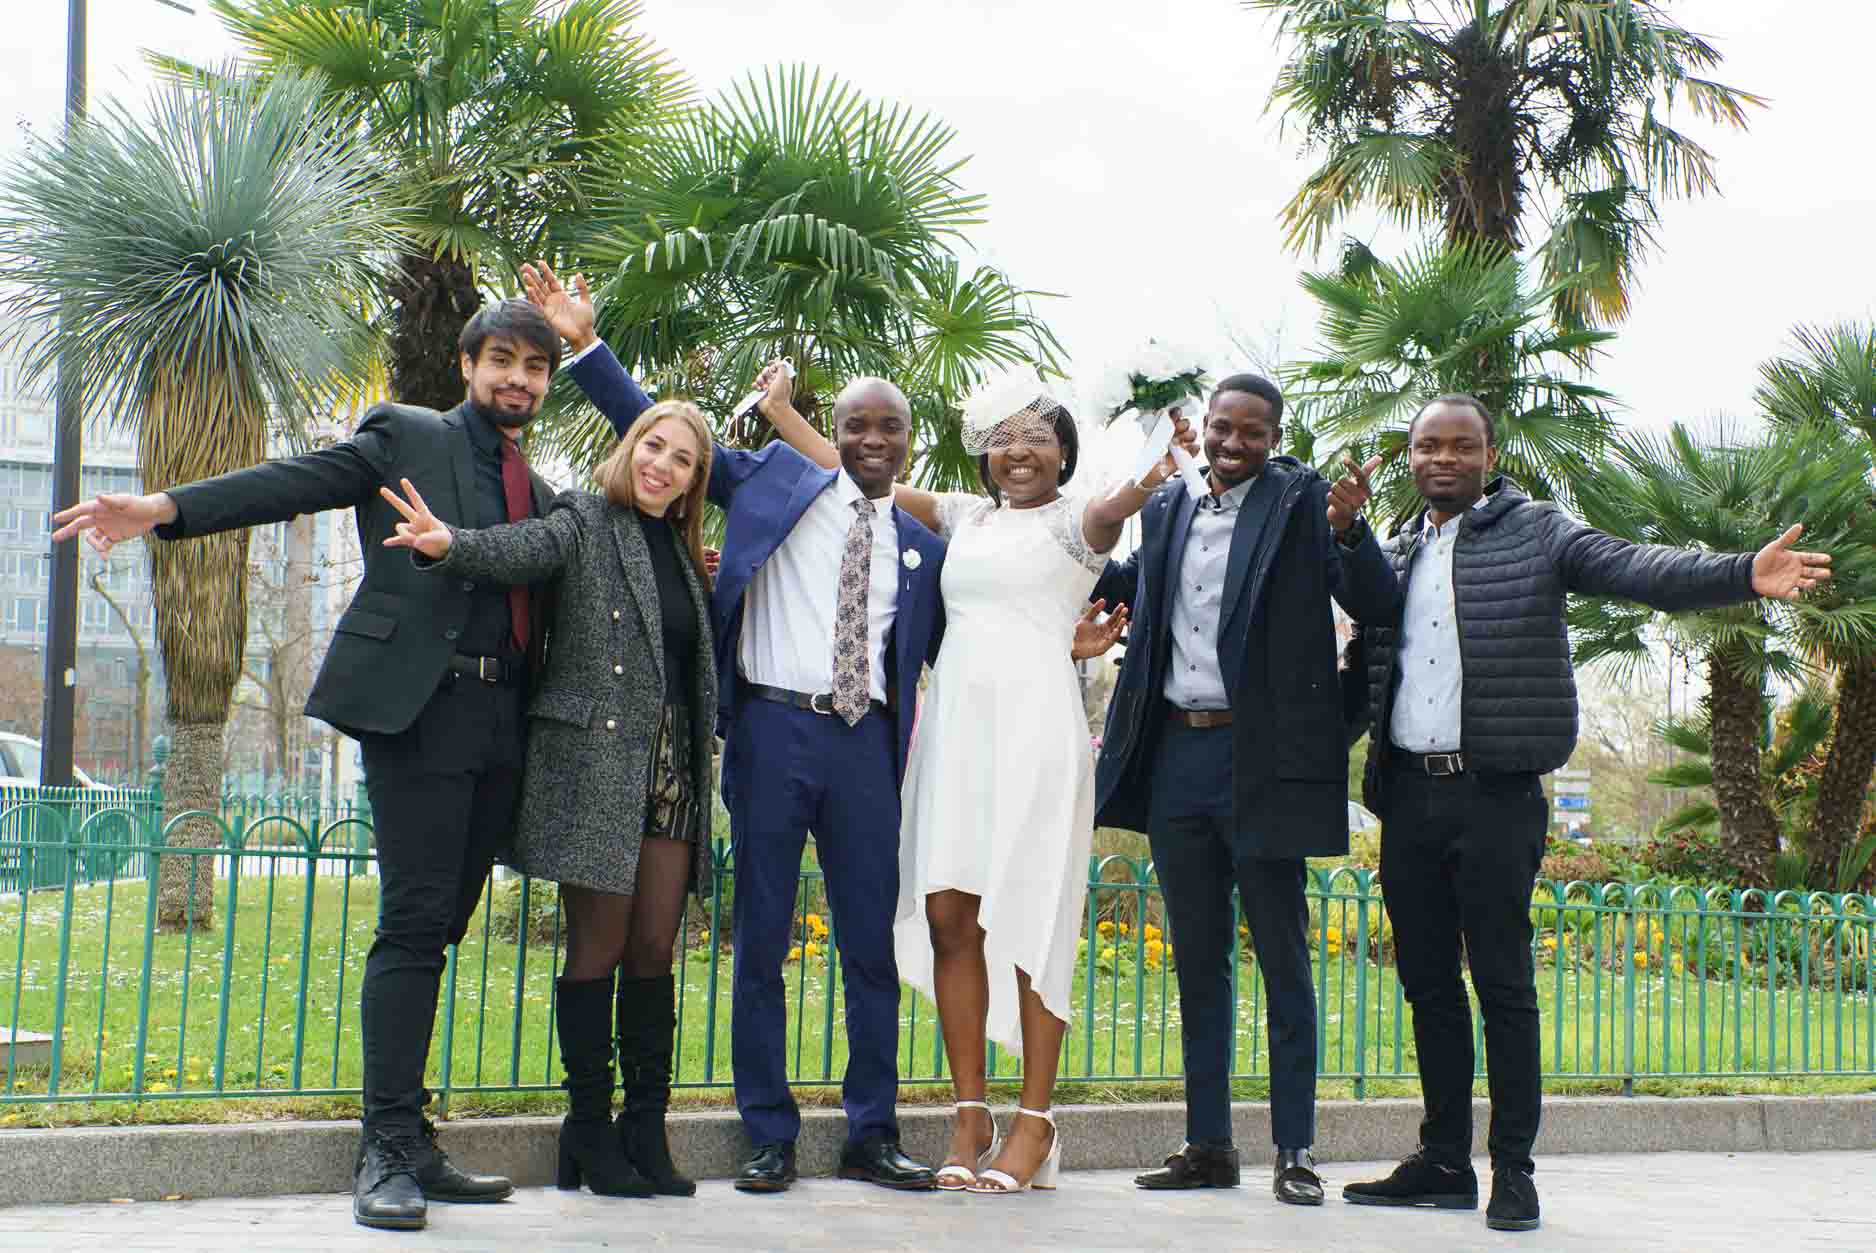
(1194, 680)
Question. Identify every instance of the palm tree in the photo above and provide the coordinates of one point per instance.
(1730, 496)
(1464, 112)
(1829, 384)
(1450, 318)
(489, 116)
(206, 260)
(792, 216)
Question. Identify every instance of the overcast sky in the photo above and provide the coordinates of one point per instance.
(1130, 166)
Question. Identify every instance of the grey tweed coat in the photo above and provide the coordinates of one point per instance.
(596, 707)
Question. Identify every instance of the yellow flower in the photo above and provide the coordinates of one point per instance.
(1334, 935)
(1125, 929)
(1641, 957)
(815, 924)
(1674, 963)
(810, 949)
(1153, 933)
(794, 954)
(1105, 927)
(1107, 952)
(1549, 942)
(156, 1087)
(703, 937)
(1244, 929)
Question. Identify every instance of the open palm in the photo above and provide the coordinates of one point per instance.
(569, 312)
(420, 529)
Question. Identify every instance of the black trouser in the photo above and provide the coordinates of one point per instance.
(443, 799)
(1459, 857)
(1199, 856)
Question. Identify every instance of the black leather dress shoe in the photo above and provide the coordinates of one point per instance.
(1193, 1166)
(1420, 1181)
(1296, 1181)
(1514, 1200)
(441, 1180)
(883, 1162)
(771, 1168)
(385, 1192)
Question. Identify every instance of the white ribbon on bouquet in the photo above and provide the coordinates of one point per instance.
(1157, 424)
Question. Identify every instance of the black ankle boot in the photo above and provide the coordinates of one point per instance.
(647, 1024)
(588, 1149)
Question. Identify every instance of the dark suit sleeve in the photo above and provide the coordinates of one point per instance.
(532, 550)
(606, 383)
(1669, 579)
(1363, 581)
(340, 477)
(1119, 582)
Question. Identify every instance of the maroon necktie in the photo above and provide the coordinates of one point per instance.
(520, 505)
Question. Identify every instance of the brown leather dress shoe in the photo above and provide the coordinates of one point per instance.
(1193, 1166)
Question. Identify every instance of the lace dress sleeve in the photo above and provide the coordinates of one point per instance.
(1065, 525)
(955, 509)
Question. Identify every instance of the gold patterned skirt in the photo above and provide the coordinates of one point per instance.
(671, 810)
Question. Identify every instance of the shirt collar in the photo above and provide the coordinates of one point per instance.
(1229, 501)
(1428, 529)
(846, 491)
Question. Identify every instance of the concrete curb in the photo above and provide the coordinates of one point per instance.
(268, 1159)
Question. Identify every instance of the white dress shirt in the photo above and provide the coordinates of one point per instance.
(788, 617)
(1194, 679)
(1426, 707)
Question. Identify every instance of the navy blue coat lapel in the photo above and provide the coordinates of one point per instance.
(1253, 514)
(1183, 508)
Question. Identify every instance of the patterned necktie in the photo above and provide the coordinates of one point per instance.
(853, 681)
(520, 503)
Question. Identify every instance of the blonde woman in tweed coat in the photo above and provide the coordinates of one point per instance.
(616, 800)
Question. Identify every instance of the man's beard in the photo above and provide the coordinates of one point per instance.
(502, 418)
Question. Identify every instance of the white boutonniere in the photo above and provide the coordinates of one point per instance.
(911, 558)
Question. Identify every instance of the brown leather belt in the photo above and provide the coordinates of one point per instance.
(1200, 719)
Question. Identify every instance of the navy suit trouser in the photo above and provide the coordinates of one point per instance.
(787, 772)
(1199, 856)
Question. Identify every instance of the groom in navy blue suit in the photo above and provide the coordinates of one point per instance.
(825, 608)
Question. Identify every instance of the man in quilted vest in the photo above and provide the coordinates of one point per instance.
(1473, 702)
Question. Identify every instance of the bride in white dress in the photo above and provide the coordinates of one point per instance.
(998, 800)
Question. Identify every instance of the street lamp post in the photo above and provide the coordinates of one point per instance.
(61, 686)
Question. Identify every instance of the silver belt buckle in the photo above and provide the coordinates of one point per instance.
(814, 703)
(1445, 763)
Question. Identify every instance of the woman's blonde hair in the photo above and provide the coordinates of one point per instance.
(615, 479)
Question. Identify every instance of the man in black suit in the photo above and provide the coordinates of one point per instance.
(1225, 744)
(430, 676)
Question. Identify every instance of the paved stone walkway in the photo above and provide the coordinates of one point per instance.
(1715, 1203)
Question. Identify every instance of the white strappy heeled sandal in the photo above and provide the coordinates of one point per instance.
(955, 1178)
(996, 1182)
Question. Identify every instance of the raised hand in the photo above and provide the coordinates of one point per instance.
(713, 558)
(420, 529)
(1351, 492)
(108, 519)
(1092, 637)
(1163, 469)
(569, 312)
(1782, 573)
(779, 386)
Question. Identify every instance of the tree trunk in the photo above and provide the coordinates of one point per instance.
(433, 299)
(1748, 827)
(185, 886)
(1484, 194)
(196, 427)
(1843, 785)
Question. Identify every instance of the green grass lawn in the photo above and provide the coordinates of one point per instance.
(268, 1010)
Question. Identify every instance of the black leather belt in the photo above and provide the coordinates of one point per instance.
(1440, 765)
(1200, 719)
(819, 702)
(501, 671)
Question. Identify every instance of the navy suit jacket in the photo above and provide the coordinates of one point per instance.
(1276, 649)
(764, 494)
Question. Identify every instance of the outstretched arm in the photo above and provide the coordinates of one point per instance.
(1678, 579)
(532, 550)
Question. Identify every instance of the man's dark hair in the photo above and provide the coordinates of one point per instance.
(511, 319)
(1254, 385)
(1066, 434)
(1460, 400)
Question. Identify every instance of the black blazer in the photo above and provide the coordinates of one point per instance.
(1276, 650)
(391, 646)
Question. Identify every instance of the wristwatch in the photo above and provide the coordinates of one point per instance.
(1356, 533)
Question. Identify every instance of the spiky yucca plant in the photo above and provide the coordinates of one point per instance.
(200, 262)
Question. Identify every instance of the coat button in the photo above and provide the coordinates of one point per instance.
(468, 586)
(615, 615)
(451, 634)
(611, 725)
(618, 669)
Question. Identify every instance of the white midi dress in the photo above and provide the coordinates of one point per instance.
(999, 789)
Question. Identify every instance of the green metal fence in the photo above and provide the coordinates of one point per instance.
(1636, 980)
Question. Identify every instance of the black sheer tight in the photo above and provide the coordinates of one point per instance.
(634, 933)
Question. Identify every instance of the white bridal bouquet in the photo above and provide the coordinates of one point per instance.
(1149, 383)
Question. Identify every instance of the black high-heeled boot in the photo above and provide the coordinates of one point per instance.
(647, 1024)
(589, 1150)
